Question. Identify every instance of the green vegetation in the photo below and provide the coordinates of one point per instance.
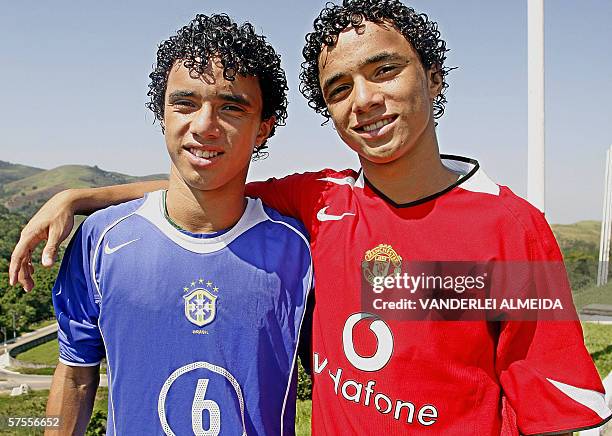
(41, 324)
(10, 172)
(10, 228)
(26, 308)
(581, 256)
(304, 387)
(593, 295)
(597, 340)
(302, 418)
(34, 404)
(45, 354)
(586, 231)
(25, 189)
(579, 244)
(34, 371)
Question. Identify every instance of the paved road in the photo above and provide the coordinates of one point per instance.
(9, 379)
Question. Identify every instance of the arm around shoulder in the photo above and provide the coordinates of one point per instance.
(88, 200)
(54, 222)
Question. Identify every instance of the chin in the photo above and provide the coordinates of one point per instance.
(380, 155)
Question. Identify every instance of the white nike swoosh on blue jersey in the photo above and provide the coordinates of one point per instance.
(322, 216)
(109, 250)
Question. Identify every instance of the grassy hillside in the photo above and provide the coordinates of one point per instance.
(586, 231)
(28, 193)
(10, 172)
(593, 294)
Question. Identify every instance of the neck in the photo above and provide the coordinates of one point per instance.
(419, 173)
(200, 211)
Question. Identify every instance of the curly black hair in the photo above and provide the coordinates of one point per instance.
(417, 28)
(240, 50)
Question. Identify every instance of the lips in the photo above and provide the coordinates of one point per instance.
(203, 156)
(375, 127)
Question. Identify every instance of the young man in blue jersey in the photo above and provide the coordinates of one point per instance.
(188, 293)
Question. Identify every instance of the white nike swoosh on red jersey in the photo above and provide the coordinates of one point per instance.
(344, 181)
(322, 216)
(109, 250)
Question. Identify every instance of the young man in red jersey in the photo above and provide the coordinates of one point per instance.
(376, 69)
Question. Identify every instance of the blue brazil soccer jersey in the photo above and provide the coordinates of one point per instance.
(200, 333)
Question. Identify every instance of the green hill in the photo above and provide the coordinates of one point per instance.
(26, 194)
(579, 243)
(585, 231)
(10, 172)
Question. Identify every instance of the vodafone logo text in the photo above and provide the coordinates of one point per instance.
(365, 393)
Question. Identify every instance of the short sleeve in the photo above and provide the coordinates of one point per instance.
(549, 381)
(76, 309)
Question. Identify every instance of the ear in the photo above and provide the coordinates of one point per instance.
(434, 79)
(265, 127)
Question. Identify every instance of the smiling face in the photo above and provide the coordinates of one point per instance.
(212, 126)
(377, 92)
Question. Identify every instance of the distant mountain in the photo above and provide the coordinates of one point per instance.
(24, 189)
(10, 172)
(27, 188)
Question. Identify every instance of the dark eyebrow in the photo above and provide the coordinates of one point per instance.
(226, 96)
(235, 98)
(379, 57)
(180, 94)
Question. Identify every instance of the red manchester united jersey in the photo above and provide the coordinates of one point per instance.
(381, 376)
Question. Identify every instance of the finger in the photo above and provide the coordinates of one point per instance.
(25, 275)
(26, 244)
(50, 251)
(17, 257)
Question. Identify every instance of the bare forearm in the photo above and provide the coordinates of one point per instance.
(88, 200)
(72, 395)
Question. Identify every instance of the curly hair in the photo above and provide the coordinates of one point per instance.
(418, 29)
(240, 50)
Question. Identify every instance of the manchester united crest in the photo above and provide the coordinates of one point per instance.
(381, 261)
(200, 303)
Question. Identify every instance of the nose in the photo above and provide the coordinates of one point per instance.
(204, 122)
(366, 96)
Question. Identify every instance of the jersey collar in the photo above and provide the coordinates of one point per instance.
(463, 166)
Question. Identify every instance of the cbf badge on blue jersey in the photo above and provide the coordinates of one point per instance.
(200, 302)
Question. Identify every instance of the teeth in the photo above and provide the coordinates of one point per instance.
(376, 125)
(204, 153)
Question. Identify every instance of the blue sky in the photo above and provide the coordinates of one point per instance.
(74, 79)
